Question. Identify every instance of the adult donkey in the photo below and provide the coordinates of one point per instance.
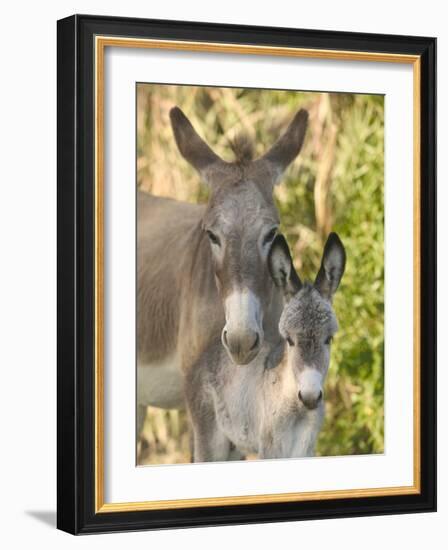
(202, 271)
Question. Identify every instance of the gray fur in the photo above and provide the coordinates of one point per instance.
(308, 319)
(272, 408)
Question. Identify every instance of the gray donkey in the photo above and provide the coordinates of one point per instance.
(275, 407)
(202, 270)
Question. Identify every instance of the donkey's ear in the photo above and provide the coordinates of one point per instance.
(192, 147)
(281, 267)
(332, 267)
(287, 147)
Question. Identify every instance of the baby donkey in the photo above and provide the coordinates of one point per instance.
(274, 406)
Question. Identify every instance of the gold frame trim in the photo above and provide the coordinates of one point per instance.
(101, 42)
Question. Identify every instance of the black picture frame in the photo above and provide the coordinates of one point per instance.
(76, 225)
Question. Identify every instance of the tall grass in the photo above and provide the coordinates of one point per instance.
(336, 184)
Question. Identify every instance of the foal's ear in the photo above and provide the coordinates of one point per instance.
(281, 267)
(191, 146)
(332, 267)
(287, 147)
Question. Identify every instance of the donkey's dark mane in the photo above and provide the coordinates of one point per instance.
(243, 148)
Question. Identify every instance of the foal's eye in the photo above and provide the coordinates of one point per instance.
(328, 340)
(213, 238)
(290, 342)
(270, 236)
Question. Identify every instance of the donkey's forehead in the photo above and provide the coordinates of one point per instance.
(308, 314)
(245, 203)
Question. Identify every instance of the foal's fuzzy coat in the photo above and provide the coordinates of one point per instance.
(274, 406)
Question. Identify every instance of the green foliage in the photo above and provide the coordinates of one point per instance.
(336, 184)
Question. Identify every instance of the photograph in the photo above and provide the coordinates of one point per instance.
(260, 274)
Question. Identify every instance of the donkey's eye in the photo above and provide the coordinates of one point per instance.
(290, 342)
(213, 238)
(328, 340)
(270, 236)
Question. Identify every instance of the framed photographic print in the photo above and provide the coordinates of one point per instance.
(246, 274)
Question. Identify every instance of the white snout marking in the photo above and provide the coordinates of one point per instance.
(310, 382)
(243, 312)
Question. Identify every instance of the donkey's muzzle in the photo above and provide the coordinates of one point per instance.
(242, 347)
(310, 399)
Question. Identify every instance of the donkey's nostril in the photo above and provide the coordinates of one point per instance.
(224, 337)
(319, 397)
(256, 342)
